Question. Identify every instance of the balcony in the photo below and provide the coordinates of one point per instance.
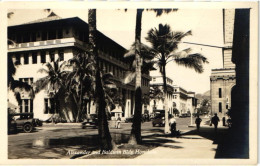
(112, 60)
(47, 44)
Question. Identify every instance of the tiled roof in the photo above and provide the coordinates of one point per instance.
(51, 17)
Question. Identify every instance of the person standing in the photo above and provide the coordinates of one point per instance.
(172, 123)
(198, 121)
(215, 121)
(118, 121)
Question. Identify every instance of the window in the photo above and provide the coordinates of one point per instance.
(26, 105)
(18, 59)
(26, 80)
(29, 81)
(49, 106)
(26, 58)
(219, 107)
(52, 102)
(46, 106)
(34, 57)
(31, 105)
(52, 56)
(43, 57)
(61, 55)
(219, 93)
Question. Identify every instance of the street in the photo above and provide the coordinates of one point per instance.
(55, 140)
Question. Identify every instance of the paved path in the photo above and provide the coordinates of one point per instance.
(190, 145)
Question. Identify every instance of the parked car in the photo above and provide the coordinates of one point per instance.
(92, 121)
(184, 115)
(25, 122)
(158, 120)
(129, 120)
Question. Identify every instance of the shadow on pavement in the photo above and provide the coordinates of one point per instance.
(228, 144)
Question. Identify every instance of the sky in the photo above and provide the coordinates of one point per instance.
(206, 26)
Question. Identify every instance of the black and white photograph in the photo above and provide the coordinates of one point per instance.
(151, 84)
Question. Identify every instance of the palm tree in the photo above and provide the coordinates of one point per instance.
(165, 42)
(105, 138)
(53, 81)
(141, 63)
(16, 86)
(135, 137)
(79, 83)
(156, 94)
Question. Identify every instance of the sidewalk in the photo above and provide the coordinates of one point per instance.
(186, 146)
(190, 145)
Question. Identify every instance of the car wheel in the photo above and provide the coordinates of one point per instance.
(27, 128)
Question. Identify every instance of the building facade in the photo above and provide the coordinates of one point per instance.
(223, 80)
(177, 97)
(46, 40)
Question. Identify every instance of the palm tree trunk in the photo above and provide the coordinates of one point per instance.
(166, 128)
(105, 139)
(135, 137)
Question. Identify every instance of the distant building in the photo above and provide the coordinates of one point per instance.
(178, 98)
(48, 39)
(223, 80)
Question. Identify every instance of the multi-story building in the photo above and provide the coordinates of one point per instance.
(223, 80)
(177, 97)
(46, 40)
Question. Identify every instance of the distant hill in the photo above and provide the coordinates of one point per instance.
(205, 95)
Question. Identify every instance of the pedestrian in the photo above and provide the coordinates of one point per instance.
(198, 121)
(172, 124)
(224, 121)
(215, 121)
(118, 121)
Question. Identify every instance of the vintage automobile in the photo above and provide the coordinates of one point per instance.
(129, 119)
(158, 120)
(92, 121)
(24, 122)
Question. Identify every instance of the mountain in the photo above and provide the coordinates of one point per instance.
(205, 95)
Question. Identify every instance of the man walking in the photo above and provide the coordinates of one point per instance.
(198, 121)
(215, 121)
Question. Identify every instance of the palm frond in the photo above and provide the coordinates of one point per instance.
(130, 76)
(146, 52)
(159, 12)
(194, 61)
(42, 70)
(41, 84)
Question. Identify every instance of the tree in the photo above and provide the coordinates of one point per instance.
(16, 86)
(79, 83)
(164, 43)
(105, 138)
(204, 107)
(135, 137)
(141, 63)
(53, 81)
